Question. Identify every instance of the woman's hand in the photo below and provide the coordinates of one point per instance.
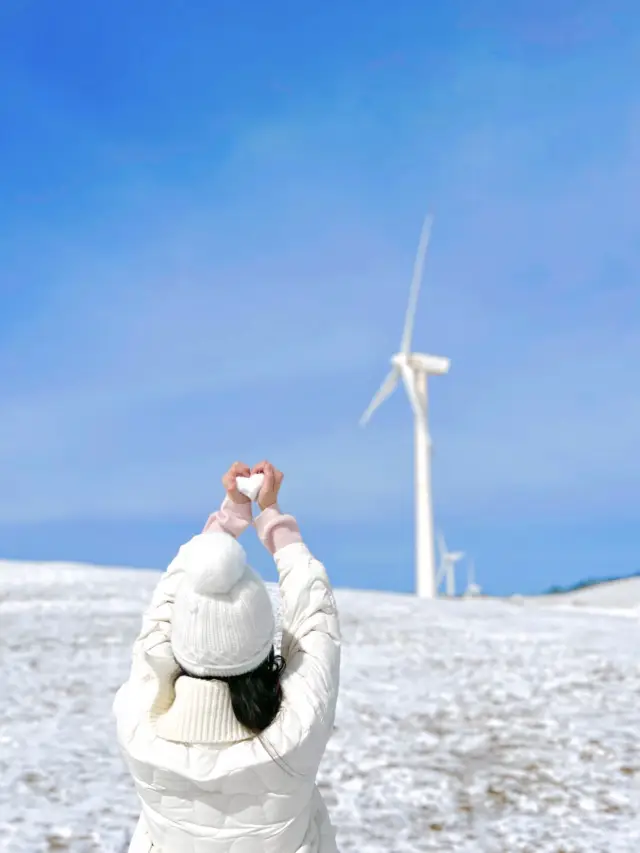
(272, 481)
(229, 481)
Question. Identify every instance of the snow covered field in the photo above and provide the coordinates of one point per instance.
(620, 595)
(464, 726)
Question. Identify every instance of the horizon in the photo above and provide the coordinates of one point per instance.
(585, 584)
(208, 233)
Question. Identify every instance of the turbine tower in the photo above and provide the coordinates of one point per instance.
(447, 570)
(414, 368)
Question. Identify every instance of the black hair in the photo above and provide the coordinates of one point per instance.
(256, 696)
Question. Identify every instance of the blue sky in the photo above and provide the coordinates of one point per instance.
(207, 226)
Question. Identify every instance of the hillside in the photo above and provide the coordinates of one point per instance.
(618, 595)
(466, 726)
(589, 582)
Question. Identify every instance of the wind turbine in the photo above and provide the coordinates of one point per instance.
(472, 587)
(447, 570)
(414, 368)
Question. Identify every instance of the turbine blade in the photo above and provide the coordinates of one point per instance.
(412, 394)
(416, 281)
(381, 395)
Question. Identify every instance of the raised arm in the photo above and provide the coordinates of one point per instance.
(310, 622)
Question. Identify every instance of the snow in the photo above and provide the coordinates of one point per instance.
(464, 726)
(621, 594)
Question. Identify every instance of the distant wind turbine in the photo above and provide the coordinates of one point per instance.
(414, 368)
(447, 570)
(472, 589)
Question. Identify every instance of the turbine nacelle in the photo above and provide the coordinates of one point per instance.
(455, 557)
(433, 364)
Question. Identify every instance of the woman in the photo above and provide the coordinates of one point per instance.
(223, 738)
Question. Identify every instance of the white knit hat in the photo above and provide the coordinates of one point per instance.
(223, 622)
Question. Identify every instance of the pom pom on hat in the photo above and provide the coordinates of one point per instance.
(223, 622)
(215, 562)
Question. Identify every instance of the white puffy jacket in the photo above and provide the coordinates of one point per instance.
(206, 785)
